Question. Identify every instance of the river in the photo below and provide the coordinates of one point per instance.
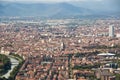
(14, 63)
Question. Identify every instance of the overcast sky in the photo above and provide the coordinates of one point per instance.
(51, 0)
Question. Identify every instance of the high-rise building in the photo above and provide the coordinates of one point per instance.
(111, 31)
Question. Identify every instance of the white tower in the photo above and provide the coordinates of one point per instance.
(62, 46)
(111, 31)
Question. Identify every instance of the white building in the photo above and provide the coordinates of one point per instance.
(118, 35)
(2, 51)
(111, 31)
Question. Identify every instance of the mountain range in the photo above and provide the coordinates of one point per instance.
(46, 10)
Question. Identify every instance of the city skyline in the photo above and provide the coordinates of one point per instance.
(59, 40)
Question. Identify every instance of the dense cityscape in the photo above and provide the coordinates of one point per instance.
(63, 49)
(59, 40)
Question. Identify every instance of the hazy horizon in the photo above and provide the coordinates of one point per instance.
(107, 4)
(99, 6)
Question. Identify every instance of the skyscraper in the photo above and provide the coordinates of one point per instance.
(111, 31)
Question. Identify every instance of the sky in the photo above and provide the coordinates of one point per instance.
(51, 0)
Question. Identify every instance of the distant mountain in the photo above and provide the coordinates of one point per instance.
(100, 6)
(44, 9)
(41, 9)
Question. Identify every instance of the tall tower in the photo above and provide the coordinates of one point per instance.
(62, 46)
(111, 31)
